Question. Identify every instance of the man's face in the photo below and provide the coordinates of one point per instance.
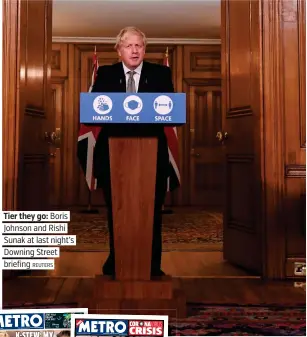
(132, 50)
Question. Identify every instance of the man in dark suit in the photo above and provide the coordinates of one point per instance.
(133, 75)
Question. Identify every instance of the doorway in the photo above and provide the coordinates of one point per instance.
(196, 66)
(198, 204)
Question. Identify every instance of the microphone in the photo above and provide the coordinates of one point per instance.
(145, 80)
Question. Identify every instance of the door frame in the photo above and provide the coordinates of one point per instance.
(10, 122)
(273, 170)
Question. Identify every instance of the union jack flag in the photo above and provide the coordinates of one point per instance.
(173, 180)
(87, 139)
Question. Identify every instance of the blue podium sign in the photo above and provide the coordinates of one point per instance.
(148, 108)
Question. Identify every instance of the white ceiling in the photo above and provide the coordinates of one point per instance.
(158, 19)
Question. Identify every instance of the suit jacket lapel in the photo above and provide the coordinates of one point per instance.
(121, 79)
(143, 85)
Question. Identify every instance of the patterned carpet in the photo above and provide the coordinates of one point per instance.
(198, 231)
(241, 321)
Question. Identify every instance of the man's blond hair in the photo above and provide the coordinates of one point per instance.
(130, 29)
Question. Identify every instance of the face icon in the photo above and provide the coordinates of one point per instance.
(132, 50)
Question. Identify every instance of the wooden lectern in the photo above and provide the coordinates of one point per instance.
(133, 176)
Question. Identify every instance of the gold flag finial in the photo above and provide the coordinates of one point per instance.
(166, 54)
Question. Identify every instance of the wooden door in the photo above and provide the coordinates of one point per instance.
(206, 156)
(242, 132)
(264, 108)
(57, 151)
(27, 93)
(201, 156)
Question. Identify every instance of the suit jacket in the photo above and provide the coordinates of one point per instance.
(111, 78)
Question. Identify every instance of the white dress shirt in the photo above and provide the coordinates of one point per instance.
(136, 76)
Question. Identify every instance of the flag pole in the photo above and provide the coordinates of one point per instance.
(164, 210)
(89, 209)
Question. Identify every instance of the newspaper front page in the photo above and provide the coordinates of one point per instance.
(37, 322)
